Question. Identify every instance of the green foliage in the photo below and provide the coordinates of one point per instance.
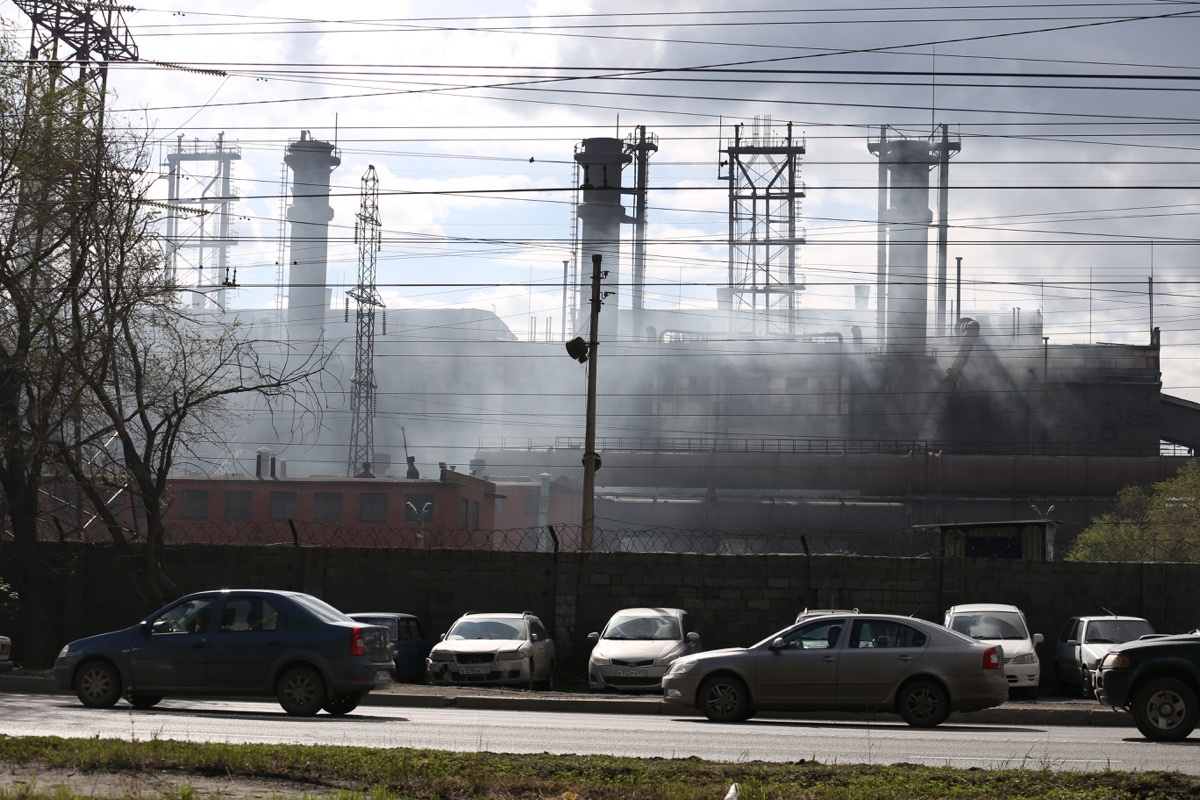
(384, 774)
(1161, 523)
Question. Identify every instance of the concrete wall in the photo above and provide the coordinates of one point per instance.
(734, 599)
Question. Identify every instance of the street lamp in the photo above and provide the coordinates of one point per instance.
(420, 515)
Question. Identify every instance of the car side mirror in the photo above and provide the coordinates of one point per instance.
(144, 627)
(533, 637)
(777, 644)
(441, 637)
(594, 636)
(1038, 638)
(693, 637)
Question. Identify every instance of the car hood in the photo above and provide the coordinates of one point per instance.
(714, 655)
(478, 646)
(635, 649)
(101, 641)
(1093, 651)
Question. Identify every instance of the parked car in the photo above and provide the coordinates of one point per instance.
(407, 640)
(1003, 624)
(1086, 640)
(300, 649)
(861, 662)
(497, 649)
(809, 613)
(6, 663)
(1157, 681)
(637, 645)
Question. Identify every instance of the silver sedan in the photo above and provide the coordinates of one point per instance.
(859, 662)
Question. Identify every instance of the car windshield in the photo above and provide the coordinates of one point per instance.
(1116, 631)
(655, 628)
(488, 628)
(998, 624)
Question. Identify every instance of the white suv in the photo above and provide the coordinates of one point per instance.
(1002, 624)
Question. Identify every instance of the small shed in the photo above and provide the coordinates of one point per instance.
(1018, 539)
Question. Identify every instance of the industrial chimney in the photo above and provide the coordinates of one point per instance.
(311, 161)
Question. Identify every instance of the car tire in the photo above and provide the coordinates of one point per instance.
(343, 703)
(98, 684)
(1165, 709)
(301, 691)
(145, 701)
(923, 704)
(1086, 690)
(725, 698)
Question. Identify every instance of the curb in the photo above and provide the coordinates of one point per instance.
(1050, 712)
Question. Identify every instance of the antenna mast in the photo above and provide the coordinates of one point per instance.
(362, 385)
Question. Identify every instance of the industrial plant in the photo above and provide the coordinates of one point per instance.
(840, 430)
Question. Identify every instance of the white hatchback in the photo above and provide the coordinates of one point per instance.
(1003, 624)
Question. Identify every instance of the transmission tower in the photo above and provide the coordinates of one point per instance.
(764, 197)
(362, 384)
(86, 34)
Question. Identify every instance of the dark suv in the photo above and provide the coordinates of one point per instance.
(1157, 681)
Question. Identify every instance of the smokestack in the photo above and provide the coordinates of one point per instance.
(601, 215)
(311, 161)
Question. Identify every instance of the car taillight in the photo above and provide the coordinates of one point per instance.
(991, 658)
(357, 646)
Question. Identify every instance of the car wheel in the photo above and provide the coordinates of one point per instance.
(725, 698)
(1086, 691)
(301, 692)
(1165, 710)
(98, 685)
(343, 703)
(144, 701)
(923, 704)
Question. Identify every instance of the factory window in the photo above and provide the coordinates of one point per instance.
(195, 504)
(999, 545)
(499, 507)
(463, 511)
(418, 507)
(283, 505)
(372, 507)
(327, 506)
(531, 505)
(237, 505)
(475, 514)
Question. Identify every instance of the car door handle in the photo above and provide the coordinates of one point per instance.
(904, 658)
(828, 658)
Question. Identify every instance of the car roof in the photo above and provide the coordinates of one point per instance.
(966, 608)
(1110, 616)
(499, 614)
(649, 611)
(396, 614)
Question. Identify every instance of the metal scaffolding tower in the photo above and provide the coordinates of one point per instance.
(362, 384)
(764, 197)
(209, 189)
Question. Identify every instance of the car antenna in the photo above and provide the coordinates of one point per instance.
(1111, 614)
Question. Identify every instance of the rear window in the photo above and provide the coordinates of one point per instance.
(320, 609)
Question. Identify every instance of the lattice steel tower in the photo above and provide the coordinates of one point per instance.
(764, 198)
(84, 33)
(362, 385)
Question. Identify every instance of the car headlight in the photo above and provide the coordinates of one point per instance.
(1115, 661)
(511, 655)
(680, 666)
(63, 653)
(600, 661)
(1024, 658)
(669, 658)
(441, 655)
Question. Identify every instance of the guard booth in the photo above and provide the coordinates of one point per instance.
(1020, 539)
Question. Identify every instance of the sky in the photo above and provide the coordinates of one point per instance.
(1076, 190)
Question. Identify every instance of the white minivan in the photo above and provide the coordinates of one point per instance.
(1002, 624)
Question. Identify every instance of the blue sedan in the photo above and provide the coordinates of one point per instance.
(293, 646)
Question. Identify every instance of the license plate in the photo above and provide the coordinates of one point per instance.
(632, 673)
(383, 675)
(484, 670)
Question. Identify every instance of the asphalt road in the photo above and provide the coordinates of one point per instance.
(468, 724)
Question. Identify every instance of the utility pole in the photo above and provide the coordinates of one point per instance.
(366, 295)
(591, 461)
(583, 352)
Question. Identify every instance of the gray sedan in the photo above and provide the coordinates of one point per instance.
(859, 662)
